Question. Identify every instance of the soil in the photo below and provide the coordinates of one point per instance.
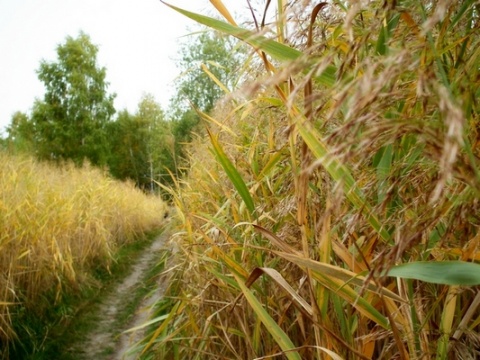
(106, 341)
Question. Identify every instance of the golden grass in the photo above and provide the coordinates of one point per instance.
(357, 150)
(57, 223)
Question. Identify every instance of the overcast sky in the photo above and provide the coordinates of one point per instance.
(137, 42)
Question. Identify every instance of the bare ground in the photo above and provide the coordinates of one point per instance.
(106, 341)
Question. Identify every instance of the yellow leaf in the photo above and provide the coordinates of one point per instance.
(223, 10)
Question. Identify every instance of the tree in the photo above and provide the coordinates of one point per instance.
(141, 145)
(70, 122)
(221, 56)
(160, 143)
(20, 133)
(126, 147)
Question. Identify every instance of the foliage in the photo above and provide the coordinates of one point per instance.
(142, 145)
(58, 225)
(20, 134)
(206, 59)
(70, 122)
(354, 157)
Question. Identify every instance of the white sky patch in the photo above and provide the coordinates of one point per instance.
(137, 39)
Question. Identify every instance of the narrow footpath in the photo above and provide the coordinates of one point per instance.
(106, 341)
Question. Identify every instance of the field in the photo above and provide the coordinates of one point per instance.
(58, 225)
(328, 209)
(331, 207)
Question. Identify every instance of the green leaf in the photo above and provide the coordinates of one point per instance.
(276, 331)
(340, 173)
(439, 272)
(273, 48)
(232, 173)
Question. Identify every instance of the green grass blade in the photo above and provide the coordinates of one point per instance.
(439, 272)
(273, 48)
(344, 275)
(333, 278)
(341, 173)
(232, 173)
(277, 333)
(272, 162)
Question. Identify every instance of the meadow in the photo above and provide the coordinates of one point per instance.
(60, 224)
(331, 204)
(329, 207)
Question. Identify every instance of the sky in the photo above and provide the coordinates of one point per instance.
(137, 39)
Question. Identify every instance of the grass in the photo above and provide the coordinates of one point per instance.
(59, 227)
(78, 311)
(79, 325)
(324, 192)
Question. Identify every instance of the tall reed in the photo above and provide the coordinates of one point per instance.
(331, 208)
(57, 224)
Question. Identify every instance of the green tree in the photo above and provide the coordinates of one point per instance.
(127, 147)
(222, 56)
(160, 143)
(142, 145)
(70, 122)
(20, 133)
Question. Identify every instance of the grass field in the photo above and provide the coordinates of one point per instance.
(58, 226)
(331, 207)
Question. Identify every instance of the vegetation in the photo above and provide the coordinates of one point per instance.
(67, 225)
(59, 225)
(328, 207)
(142, 146)
(70, 123)
(75, 120)
(207, 60)
(333, 213)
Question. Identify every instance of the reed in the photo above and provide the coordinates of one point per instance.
(57, 225)
(331, 205)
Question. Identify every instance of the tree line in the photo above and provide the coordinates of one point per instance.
(76, 120)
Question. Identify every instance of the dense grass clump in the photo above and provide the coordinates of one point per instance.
(353, 157)
(57, 225)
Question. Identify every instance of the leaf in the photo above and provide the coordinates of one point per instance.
(337, 280)
(273, 48)
(208, 118)
(223, 10)
(215, 79)
(277, 333)
(344, 275)
(163, 326)
(145, 324)
(340, 173)
(439, 272)
(232, 173)
(275, 240)
(280, 280)
(272, 162)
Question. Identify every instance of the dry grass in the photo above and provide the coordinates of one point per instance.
(356, 151)
(56, 225)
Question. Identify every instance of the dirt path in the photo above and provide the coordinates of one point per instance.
(106, 342)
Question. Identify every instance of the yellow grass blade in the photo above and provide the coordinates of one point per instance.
(341, 174)
(279, 279)
(215, 79)
(223, 10)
